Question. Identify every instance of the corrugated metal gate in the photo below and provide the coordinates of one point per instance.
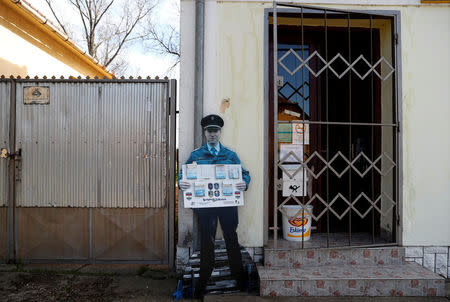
(93, 171)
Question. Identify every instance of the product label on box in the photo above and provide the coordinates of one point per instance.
(227, 189)
(220, 172)
(199, 189)
(191, 171)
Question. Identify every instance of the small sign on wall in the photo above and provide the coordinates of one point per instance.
(296, 185)
(300, 133)
(296, 149)
(284, 133)
(36, 95)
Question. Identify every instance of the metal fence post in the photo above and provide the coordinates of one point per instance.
(11, 219)
(172, 87)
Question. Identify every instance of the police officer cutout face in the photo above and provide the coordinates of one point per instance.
(212, 136)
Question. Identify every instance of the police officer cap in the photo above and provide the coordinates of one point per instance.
(212, 121)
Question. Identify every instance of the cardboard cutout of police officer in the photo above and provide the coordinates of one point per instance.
(213, 152)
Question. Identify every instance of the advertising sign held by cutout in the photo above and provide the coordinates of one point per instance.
(212, 186)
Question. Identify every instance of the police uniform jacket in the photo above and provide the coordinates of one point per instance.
(225, 156)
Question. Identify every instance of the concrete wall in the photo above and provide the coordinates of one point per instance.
(426, 125)
(20, 58)
(238, 49)
(240, 75)
(185, 122)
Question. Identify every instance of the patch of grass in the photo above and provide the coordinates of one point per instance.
(75, 272)
(19, 266)
(154, 273)
(141, 270)
(41, 271)
(98, 274)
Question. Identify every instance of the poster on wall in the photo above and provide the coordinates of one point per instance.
(297, 185)
(296, 149)
(299, 131)
(212, 186)
(284, 133)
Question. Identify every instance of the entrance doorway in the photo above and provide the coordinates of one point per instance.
(333, 126)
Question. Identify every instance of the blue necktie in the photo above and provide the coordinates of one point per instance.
(214, 151)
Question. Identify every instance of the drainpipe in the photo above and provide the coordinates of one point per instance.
(198, 93)
(199, 74)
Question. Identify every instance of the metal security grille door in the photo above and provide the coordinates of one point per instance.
(334, 118)
(94, 176)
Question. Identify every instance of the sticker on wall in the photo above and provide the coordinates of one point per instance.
(297, 185)
(36, 95)
(287, 151)
(284, 133)
(299, 131)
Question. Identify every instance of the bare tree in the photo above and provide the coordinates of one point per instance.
(163, 38)
(165, 42)
(108, 26)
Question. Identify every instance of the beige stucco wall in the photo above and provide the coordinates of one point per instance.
(239, 75)
(20, 58)
(426, 125)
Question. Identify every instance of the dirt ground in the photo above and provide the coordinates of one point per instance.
(38, 284)
(128, 283)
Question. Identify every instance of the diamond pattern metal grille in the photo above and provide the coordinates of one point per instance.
(304, 165)
(350, 66)
(373, 204)
(295, 91)
(351, 205)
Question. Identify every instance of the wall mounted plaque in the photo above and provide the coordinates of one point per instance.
(36, 95)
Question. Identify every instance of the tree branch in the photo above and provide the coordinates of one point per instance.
(103, 13)
(105, 29)
(141, 14)
(56, 17)
(167, 45)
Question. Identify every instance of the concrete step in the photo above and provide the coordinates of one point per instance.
(221, 258)
(244, 297)
(221, 280)
(336, 256)
(408, 279)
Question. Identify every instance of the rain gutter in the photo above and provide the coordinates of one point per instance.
(199, 70)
